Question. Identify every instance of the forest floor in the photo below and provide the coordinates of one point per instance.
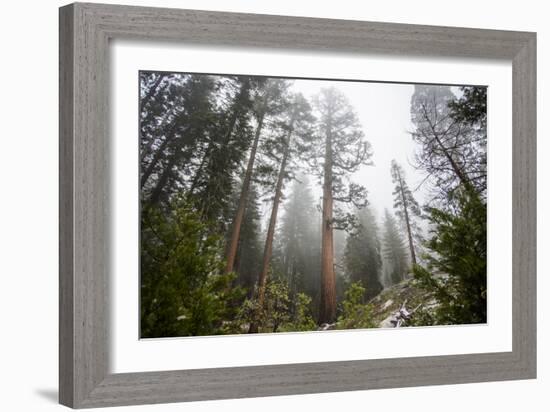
(388, 302)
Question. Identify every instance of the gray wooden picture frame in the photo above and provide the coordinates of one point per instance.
(85, 31)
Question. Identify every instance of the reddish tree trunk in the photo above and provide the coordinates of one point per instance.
(237, 222)
(327, 310)
(268, 249)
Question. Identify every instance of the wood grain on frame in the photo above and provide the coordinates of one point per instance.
(85, 30)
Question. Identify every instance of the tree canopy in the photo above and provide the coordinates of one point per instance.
(256, 211)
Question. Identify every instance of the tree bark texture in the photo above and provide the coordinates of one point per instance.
(237, 222)
(407, 219)
(268, 249)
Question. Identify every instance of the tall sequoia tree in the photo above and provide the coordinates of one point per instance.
(406, 206)
(362, 256)
(270, 101)
(452, 152)
(394, 251)
(295, 124)
(344, 150)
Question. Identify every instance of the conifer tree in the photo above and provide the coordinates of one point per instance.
(451, 151)
(249, 253)
(177, 140)
(158, 105)
(184, 291)
(394, 250)
(406, 206)
(456, 271)
(222, 155)
(269, 102)
(471, 107)
(295, 125)
(362, 256)
(343, 151)
(297, 254)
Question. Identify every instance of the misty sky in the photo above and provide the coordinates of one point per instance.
(383, 110)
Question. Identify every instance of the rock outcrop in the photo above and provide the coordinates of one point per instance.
(399, 302)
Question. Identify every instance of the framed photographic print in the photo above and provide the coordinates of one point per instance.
(257, 205)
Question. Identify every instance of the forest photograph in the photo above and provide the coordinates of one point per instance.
(272, 205)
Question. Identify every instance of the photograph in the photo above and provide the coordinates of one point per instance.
(286, 205)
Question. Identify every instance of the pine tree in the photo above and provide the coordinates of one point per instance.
(249, 255)
(344, 151)
(158, 105)
(471, 107)
(406, 206)
(297, 253)
(456, 271)
(177, 140)
(451, 151)
(362, 257)
(184, 291)
(471, 110)
(296, 124)
(222, 155)
(394, 250)
(270, 102)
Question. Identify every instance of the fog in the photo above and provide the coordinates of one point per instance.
(383, 110)
(230, 244)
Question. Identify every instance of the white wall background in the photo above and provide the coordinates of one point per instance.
(28, 205)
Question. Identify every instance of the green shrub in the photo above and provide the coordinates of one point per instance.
(184, 290)
(455, 274)
(354, 313)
